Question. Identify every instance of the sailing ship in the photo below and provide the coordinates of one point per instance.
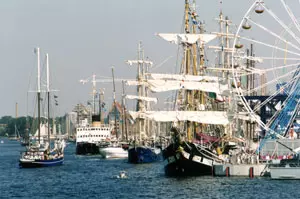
(144, 147)
(25, 138)
(198, 118)
(70, 130)
(42, 155)
(17, 134)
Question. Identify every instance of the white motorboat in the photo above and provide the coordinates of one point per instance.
(285, 169)
(114, 150)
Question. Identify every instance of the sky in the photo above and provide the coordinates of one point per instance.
(86, 37)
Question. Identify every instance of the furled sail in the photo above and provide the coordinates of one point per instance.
(170, 85)
(148, 99)
(187, 38)
(158, 76)
(131, 62)
(135, 83)
(204, 117)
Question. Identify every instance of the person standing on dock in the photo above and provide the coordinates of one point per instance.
(292, 132)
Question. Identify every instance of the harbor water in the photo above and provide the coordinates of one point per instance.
(92, 177)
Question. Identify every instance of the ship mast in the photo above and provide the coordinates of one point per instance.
(37, 51)
(187, 67)
(48, 96)
(141, 89)
(124, 124)
(94, 94)
(142, 92)
(191, 64)
(100, 104)
(16, 129)
(115, 105)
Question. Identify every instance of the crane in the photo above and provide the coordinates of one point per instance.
(103, 79)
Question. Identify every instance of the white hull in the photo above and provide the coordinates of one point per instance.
(113, 152)
(285, 172)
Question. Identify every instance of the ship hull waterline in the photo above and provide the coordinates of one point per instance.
(40, 163)
(86, 148)
(183, 164)
(139, 155)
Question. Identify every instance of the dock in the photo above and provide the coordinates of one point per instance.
(249, 170)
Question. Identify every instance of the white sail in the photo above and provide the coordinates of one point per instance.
(135, 83)
(131, 62)
(187, 38)
(170, 85)
(159, 76)
(43, 131)
(54, 132)
(147, 99)
(204, 117)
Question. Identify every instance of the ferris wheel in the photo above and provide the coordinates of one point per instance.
(266, 63)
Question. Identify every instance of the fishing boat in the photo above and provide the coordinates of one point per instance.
(144, 147)
(42, 154)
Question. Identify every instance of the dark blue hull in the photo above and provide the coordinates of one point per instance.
(40, 163)
(141, 154)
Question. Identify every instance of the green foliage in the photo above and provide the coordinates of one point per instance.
(8, 124)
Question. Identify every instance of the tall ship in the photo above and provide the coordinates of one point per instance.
(145, 147)
(201, 114)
